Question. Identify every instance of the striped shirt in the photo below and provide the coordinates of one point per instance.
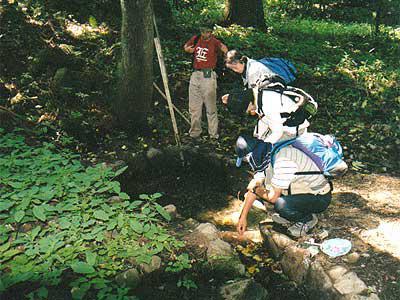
(288, 161)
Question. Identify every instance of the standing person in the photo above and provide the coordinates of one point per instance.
(296, 196)
(273, 125)
(203, 81)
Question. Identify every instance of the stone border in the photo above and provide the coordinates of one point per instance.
(333, 283)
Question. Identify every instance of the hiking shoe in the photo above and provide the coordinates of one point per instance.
(313, 221)
(301, 229)
(280, 220)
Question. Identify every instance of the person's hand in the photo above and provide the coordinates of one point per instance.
(189, 49)
(253, 184)
(241, 226)
(251, 109)
(224, 98)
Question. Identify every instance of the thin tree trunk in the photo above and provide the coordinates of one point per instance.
(245, 12)
(136, 89)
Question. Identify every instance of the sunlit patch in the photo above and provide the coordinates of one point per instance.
(386, 237)
(84, 31)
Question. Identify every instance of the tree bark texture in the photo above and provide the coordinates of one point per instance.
(136, 85)
(245, 12)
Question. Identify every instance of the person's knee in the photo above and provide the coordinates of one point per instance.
(280, 205)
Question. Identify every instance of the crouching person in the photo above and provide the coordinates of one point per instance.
(293, 184)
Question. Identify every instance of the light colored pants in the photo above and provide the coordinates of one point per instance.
(203, 91)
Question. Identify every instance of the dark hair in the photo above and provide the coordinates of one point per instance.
(234, 56)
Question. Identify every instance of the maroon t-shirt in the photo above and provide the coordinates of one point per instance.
(205, 52)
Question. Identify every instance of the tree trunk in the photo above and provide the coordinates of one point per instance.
(245, 12)
(137, 33)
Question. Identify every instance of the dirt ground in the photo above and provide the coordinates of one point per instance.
(365, 210)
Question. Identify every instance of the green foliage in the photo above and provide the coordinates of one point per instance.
(57, 215)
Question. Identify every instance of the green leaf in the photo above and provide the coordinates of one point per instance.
(91, 258)
(82, 268)
(163, 212)
(156, 196)
(120, 171)
(39, 213)
(64, 223)
(144, 197)
(42, 292)
(93, 21)
(124, 196)
(5, 205)
(19, 215)
(101, 215)
(35, 232)
(136, 226)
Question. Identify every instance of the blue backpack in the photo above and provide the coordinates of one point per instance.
(324, 150)
(280, 67)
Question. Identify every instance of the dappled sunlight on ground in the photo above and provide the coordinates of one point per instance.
(386, 237)
(78, 30)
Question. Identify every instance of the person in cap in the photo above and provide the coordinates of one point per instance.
(271, 126)
(203, 81)
(296, 197)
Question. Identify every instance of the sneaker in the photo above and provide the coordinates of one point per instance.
(301, 229)
(313, 221)
(280, 220)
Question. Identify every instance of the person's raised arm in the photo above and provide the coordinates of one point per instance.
(223, 48)
(189, 45)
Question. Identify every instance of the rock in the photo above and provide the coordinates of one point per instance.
(154, 265)
(171, 209)
(130, 278)
(281, 240)
(269, 242)
(227, 266)
(190, 223)
(337, 272)
(353, 257)
(295, 263)
(114, 199)
(246, 289)
(207, 230)
(219, 248)
(350, 284)
(153, 153)
(359, 297)
(319, 283)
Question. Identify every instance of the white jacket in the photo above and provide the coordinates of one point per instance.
(270, 126)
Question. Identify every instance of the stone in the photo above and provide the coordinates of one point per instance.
(353, 257)
(219, 248)
(359, 297)
(227, 266)
(153, 153)
(295, 263)
(171, 209)
(114, 199)
(281, 240)
(268, 241)
(154, 265)
(349, 283)
(190, 223)
(130, 278)
(319, 283)
(337, 272)
(246, 289)
(207, 231)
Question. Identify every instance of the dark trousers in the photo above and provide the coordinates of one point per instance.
(298, 208)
